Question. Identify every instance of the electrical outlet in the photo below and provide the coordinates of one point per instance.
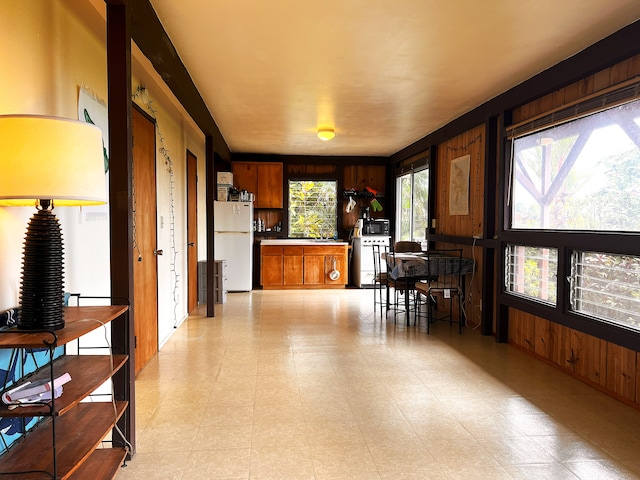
(477, 237)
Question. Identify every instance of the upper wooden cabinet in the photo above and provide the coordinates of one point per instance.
(264, 179)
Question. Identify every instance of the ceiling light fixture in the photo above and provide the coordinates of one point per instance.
(326, 134)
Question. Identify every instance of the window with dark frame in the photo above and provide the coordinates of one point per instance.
(582, 176)
(412, 205)
(313, 208)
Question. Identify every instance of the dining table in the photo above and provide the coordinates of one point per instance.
(414, 267)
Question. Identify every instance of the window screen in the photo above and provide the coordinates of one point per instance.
(313, 208)
(531, 272)
(581, 175)
(607, 287)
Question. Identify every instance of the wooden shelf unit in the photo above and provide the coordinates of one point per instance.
(64, 444)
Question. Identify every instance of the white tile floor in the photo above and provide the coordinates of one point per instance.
(301, 385)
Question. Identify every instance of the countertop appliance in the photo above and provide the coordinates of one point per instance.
(362, 260)
(233, 242)
(374, 226)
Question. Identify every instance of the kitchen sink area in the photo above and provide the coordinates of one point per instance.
(303, 263)
(303, 241)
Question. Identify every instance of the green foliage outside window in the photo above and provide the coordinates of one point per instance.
(607, 286)
(413, 205)
(582, 175)
(312, 208)
(532, 272)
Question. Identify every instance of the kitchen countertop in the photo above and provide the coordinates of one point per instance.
(302, 241)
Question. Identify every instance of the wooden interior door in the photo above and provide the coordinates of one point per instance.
(145, 266)
(192, 231)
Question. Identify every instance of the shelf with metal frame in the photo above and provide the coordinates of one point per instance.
(64, 444)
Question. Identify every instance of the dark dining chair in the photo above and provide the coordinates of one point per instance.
(380, 285)
(443, 285)
(403, 285)
(406, 246)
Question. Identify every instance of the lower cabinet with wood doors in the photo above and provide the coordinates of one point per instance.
(303, 264)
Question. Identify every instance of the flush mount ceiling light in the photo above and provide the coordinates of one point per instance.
(326, 134)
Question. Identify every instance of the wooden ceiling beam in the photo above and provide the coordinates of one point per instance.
(149, 34)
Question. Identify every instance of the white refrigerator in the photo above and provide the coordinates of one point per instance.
(233, 242)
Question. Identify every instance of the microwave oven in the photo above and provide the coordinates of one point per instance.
(375, 226)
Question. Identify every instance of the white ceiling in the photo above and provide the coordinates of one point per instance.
(383, 74)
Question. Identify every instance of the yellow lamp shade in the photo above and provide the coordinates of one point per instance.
(50, 158)
(47, 162)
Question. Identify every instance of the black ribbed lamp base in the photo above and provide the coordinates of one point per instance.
(42, 286)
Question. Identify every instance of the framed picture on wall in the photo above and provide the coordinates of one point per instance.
(459, 186)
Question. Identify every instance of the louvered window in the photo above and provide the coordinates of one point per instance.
(531, 272)
(607, 287)
(313, 208)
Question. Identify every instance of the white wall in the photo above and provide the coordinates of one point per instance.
(175, 134)
(49, 49)
(47, 53)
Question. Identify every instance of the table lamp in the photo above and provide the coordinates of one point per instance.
(47, 162)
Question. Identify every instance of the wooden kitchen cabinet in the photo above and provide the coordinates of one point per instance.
(293, 265)
(270, 188)
(303, 265)
(271, 266)
(314, 269)
(341, 265)
(264, 179)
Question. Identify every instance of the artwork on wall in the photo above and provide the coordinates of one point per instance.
(94, 111)
(459, 186)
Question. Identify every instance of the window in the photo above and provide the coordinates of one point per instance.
(313, 208)
(412, 205)
(580, 175)
(607, 287)
(531, 272)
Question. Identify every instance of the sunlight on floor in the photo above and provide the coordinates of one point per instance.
(312, 385)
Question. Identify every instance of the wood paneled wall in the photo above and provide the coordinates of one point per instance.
(604, 365)
(311, 169)
(602, 80)
(470, 143)
(358, 177)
